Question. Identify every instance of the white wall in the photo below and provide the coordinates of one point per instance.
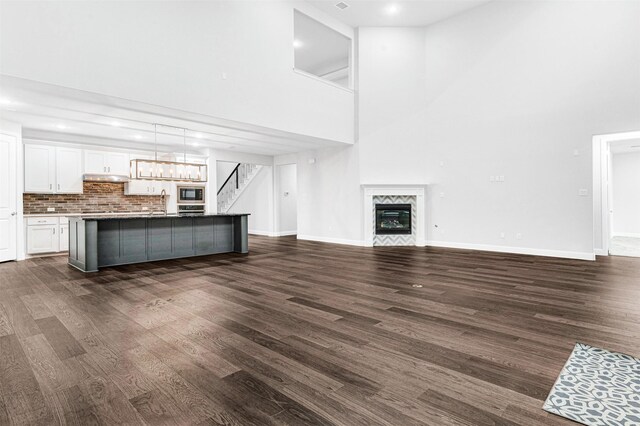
(286, 199)
(511, 89)
(174, 54)
(329, 196)
(257, 199)
(625, 186)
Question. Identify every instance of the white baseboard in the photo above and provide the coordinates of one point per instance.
(271, 234)
(261, 233)
(515, 250)
(343, 241)
(600, 252)
(626, 234)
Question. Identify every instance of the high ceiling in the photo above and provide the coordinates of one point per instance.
(389, 13)
(62, 114)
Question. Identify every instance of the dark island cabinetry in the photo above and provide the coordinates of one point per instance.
(96, 242)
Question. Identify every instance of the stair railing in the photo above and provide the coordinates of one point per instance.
(234, 181)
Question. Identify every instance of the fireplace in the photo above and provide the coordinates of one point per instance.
(393, 219)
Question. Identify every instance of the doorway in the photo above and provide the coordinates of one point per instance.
(617, 194)
(8, 200)
(286, 184)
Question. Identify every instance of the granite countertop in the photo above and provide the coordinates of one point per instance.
(124, 214)
(152, 215)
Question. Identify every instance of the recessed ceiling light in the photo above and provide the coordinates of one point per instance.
(297, 44)
(195, 144)
(342, 5)
(392, 9)
(61, 126)
(115, 123)
(137, 137)
(198, 135)
(5, 101)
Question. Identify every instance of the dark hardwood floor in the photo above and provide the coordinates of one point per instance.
(305, 333)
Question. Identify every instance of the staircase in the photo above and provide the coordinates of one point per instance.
(235, 185)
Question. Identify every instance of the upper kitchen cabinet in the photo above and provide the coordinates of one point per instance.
(39, 168)
(50, 170)
(103, 162)
(68, 171)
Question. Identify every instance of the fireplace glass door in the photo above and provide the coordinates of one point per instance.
(393, 218)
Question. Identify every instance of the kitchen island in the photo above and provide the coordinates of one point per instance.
(99, 241)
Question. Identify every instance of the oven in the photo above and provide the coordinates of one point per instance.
(190, 194)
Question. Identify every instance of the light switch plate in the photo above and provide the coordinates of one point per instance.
(583, 192)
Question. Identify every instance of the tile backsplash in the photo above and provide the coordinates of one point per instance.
(98, 197)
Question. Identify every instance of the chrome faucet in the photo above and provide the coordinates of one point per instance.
(163, 198)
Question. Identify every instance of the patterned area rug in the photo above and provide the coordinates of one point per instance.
(597, 387)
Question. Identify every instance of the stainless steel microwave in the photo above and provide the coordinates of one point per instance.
(191, 194)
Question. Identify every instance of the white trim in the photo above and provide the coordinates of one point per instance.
(515, 250)
(370, 191)
(271, 234)
(322, 80)
(600, 252)
(601, 220)
(261, 233)
(626, 234)
(331, 240)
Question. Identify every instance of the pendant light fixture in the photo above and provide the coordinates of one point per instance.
(168, 170)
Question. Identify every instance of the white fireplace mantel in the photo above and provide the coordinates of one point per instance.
(372, 190)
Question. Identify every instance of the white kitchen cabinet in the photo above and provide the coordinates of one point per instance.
(52, 170)
(39, 168)
(47, 234)
(118, 163)
(42, 239)
(145, 187)
(68, 171)
(106, 163)
(64, 237)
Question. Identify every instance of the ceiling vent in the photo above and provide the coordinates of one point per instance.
(342, 5)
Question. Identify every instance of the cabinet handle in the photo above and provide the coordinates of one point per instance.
(54, 230)
(58, 187)
(104, 169)
(109, 168)
(61, 231)
(50, 186)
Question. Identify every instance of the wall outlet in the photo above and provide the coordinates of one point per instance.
(442, 195)
(51, 209)
(583, 192)
(502, 235)
(224, 75)
(576, 153)
(518, 236)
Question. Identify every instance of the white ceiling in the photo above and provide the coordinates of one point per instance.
(626, 146)
(49, 112)
(389, 13)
